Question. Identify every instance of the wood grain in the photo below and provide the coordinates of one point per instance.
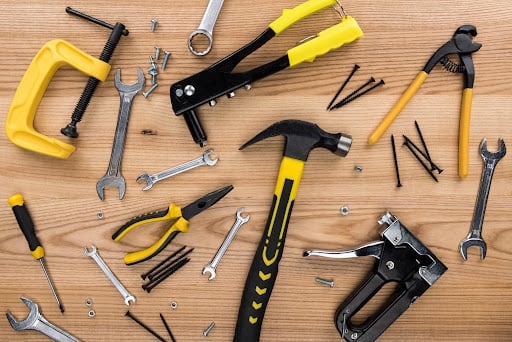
(471, 302)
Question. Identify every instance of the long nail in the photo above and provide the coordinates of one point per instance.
(160, 264)
(169, 265)
(432, 164)
(354, 69)
(350, 99)
(151, 285)
(139, 322)
(167, 328)
(425, 166)
(398, 184)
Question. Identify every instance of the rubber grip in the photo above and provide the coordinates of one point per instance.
(464, 124)
(331, 38)
(398, 107)
(291, 16)
(26, 225)
(263, 272)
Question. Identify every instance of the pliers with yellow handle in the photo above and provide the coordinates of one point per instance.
(181, 216)
(219, 79)
(461, 44)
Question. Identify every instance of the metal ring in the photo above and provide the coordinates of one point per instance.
(203, 33)
(91, 313)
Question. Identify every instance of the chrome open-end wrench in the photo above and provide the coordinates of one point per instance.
(113, 175)
(474, 237)
(36, 321)
(212, 266)
(206, 27)
(205, 159)
(94, 255)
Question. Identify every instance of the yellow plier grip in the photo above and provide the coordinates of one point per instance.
(19, 126)
(171, 213)
(465, 118)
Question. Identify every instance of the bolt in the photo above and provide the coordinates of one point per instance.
(150, 90)
(207, 330)
(157, 53)
(329, 283)
(152, 61)
(179, 92)
(189, 90)
(354, 336)
(154, 22)
(167, 54)
(247, 87)
(230, 95)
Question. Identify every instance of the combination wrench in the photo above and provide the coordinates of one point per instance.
(205, 159)
(113, 175)
(212, 266)
(36, 321)
(206, 27)
(94, 255)
(474, 237)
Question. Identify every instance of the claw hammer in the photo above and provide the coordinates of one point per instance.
(301, 138)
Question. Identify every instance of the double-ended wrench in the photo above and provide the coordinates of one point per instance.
(36, 321)
(113, 175)
(474, 237)
(205, 159)
(94, 255)
(206, 27)
(212, 266)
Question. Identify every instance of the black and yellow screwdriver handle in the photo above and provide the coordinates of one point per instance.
(27, 226)
(263, 272)
(172, 212)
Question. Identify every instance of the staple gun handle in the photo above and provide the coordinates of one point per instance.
(291, 16)
(19, 126)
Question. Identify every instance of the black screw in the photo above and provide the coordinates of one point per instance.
(139, 322)
(432, 165)
(398, 184)
(424, 154)
(161, 263)
(167, 328)
(350, 99)
(118, 30)
(156, 275)
(151, 285)
(425, 166)
(356, 67)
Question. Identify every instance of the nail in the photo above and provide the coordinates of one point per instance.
(169, 265)
(425, 166)
(354, 69)
(350, 99)
(145, 275)
(398, 184)
(339, 104)
(167, 328)
(151, 285)
(432, 164)
(136, 320)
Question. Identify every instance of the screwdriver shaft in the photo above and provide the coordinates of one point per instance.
(57, 299)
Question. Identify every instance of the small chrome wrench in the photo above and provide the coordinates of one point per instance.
(94, 255)
(36, 321)
(173, 171)
(206, 27)
(474, 237)
(212, 266)
(113, 175)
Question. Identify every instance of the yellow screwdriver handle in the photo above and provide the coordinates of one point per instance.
(19, 126)
(464, 123)
(291, 16)
(398, 107)
(331, 38)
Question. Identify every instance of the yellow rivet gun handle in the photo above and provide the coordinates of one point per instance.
(399, 106)
(291, 16)
(19, 126)
(465, 118)
(331, 38)
(263, 272)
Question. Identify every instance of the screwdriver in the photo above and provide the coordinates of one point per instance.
(27, 227)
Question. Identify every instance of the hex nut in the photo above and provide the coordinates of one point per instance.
(91, 313)
(88, 302)
(344, 210)
(174, 305)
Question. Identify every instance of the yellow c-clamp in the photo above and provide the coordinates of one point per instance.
(19, 126)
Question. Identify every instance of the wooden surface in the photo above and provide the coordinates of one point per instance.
(471, 302)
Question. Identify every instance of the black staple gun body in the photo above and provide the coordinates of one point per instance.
(401, 258)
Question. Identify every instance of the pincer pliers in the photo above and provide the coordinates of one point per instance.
(460, 44)
(219, 79)
(174, 212)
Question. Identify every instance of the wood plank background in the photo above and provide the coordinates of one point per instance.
(471, 302)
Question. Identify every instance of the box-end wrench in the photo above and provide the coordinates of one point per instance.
(474, 237)
(36, 321)
(206, 27)
(205, 159)
(212, 266)
(94, 255)
(113, 175)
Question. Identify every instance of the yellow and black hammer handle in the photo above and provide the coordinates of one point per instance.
(262, 275)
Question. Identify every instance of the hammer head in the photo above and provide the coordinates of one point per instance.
(302, 136)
